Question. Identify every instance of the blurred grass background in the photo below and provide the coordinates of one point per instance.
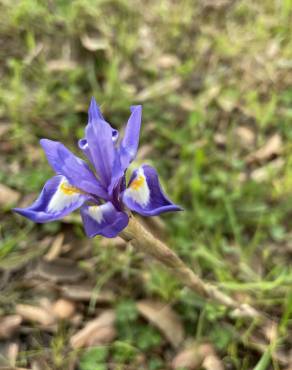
(215, 81)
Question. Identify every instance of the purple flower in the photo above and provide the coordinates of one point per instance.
(103, 196)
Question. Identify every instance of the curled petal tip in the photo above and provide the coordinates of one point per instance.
(144, 194)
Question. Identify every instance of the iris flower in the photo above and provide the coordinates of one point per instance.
(102, 194)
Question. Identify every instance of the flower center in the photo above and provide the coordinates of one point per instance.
(69, 189)
(137, 183)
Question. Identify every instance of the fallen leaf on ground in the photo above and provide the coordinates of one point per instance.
(245, 136)
(13, 368)
(192, 356)
(9, 325)
(96, 332)
(265, 172)
(60, 65)
(59, 270)
(212, 362)
(63, 308)
(94, 43)
(220, 139)
(159, 88)
(55, 248)
(12, 352)
(85, 292)
(272, 147)
(164, 318)
(216, 4)
(8, 196)
(33, 53)
(167, 61)
(35, 314)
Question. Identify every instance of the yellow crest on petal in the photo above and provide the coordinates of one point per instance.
(138, 182)
(69, 189)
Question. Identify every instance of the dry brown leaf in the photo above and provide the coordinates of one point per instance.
(12, 352)
(164, 318)
(35, 314)
(34, 53)
(94, 43)
(60, 65)
(264, 172)
(246, 136)
(272, 147)
(59, 270)
(9, 325)
(167, 61)
(98, 331)
(84, 292)
(191, 358)
(220, 139)
(216, 4)
(12, 368)
(159, 88)
(63, 308)
(187, 102)
(8, 196)
(212, 362)
(55, 248)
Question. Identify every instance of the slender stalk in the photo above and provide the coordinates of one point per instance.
(143, 240)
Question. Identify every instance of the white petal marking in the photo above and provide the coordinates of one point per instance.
(138, 189)
(64, 196)
(96, 213)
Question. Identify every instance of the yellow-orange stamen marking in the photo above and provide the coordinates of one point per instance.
(137, 183)
(69, 189)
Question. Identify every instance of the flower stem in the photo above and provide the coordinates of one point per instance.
(143, 240)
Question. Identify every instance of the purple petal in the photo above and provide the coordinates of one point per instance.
(99, 136)
(144, 194)
(83, 144)
(103, 220)
(73, 168)
(94, 111)
(57, 199)
(127, 150)
(130, 142)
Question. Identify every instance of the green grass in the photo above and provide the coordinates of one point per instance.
(227, 67)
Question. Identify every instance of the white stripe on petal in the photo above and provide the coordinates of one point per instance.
(96, 213)
(138, 189)
(63, 197)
